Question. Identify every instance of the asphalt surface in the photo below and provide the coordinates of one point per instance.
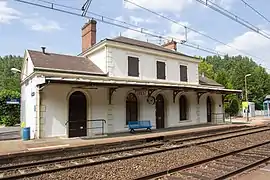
(9, 133)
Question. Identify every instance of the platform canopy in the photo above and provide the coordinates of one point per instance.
(116, 82)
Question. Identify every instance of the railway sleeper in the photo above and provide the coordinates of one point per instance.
(201, 177)
(174, 178)
(21, 171)
(255, 154)
(90, 160)
(251, 157)
(224, 167)
(230, 162)
(203, 171)
(59, 165)
(40, 168)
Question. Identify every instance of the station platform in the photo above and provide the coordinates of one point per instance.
(19, 147)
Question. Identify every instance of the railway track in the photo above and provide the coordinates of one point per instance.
(219, 167)
(52, 165)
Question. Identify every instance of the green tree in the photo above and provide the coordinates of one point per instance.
(207, 69)
(9, 88)
(230, 71)
(9, 80)
(9, 113)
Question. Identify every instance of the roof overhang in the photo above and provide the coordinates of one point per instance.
(69, 71)
(125, 82)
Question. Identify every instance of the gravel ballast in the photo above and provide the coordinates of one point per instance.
(131, 168)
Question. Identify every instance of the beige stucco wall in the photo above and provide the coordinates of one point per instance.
(54, 100)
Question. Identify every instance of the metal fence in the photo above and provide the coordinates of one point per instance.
(91, 126)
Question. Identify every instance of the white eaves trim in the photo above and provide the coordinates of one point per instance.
(140, 82)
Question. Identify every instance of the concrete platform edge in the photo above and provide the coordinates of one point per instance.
(139, 139)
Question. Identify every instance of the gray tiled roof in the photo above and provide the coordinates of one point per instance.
(206, 81)
(134, 42)
(63, 62)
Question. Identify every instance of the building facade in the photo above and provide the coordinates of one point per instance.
(113, 82)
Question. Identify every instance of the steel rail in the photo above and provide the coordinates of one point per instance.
(242, 169)
(27, 164)
(33, 164)
(190, 165)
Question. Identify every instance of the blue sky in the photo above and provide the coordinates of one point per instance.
(28, 27)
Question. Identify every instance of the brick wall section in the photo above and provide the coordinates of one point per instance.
(171, 45)
(89, 35)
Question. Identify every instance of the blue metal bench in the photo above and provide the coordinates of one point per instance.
(132, 125)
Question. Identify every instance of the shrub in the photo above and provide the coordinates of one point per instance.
(9, 113)
(232, 108)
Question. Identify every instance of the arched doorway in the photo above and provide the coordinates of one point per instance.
(77, 115)
(183, 108)
(160, 112)
(209, 109)
(131, 108)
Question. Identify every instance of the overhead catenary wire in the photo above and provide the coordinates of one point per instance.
(194, 30)
(256, 11)
(234, 17)
(104, 19)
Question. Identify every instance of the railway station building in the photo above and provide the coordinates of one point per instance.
(113, 82)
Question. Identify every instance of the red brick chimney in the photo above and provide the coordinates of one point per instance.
(89, 34)
(170, 45)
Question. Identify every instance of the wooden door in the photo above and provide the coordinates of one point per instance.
(209, 110)
(131, 108)
(77, 115)
(160, 112)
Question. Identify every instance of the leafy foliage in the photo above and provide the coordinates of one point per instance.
(231, 71)
(8, 79)
(9, 113)
(9, 89)
(233, 107)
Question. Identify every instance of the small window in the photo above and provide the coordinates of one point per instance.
(183, 73)
(133, 66)
(161, 70)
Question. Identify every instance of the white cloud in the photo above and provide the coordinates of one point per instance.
(134, 34)
(225, 3)
(119, 18)
(250, 42)
(176, 28)
(159, 5)
(135, 20)
(7, 14)
(178, 32)
(42, 24)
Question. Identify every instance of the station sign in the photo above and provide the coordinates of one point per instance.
(13, 101)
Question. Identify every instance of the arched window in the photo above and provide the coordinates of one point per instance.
(131, 108)
(183, 108)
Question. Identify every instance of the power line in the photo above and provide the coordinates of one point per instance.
(234, 17)
(260, 14)
(194, 30)
(104, 19)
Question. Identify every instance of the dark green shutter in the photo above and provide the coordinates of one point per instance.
(161, 70)
(133, 66)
